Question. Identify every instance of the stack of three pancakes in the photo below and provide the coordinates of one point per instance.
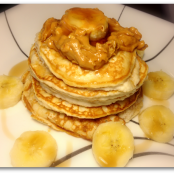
(67, 96)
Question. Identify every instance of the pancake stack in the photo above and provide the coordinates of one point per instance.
(84, 70)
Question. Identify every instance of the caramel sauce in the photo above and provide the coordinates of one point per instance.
(69, 149)
(145, 145)
(86, 28)
(4, 126)
(19, 69)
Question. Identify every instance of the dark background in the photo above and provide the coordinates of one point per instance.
(4, 7)
(163, 11)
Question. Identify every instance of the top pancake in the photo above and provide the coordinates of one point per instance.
(82, 96)
(112, 74)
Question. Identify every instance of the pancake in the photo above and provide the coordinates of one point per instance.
(83, 128)
(133, 110)
(59, 105)
(42, 114)
(82, 96)
(84, 69)
(114, 73)
(102, 62)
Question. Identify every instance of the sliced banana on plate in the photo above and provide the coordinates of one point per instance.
(10, 91)
(157, 122)
(158, 85)
(34, 149)
(113, 144)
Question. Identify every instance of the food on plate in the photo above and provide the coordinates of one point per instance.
(92, 21)
(157, 122)
(159, 85)
(34, 149)
(77, 127)
(83, 96)
(84, 69)
(11, 89)
(113, 144)
(51, 102)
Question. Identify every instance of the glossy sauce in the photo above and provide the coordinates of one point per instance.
(5, 127)
(19, 69)
(143, 146)
(69, 149)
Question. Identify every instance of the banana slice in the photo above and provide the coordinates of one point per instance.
(158, 85)
(157, 122)
(34, 149)
(113, 144)
(10, 91)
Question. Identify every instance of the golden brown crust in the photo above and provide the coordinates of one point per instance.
(53, 103)
(83, 128)
(84, 69)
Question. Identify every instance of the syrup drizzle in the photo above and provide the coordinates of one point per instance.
(5, 127)
(19, 69)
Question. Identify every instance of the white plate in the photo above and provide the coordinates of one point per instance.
(25, 21)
